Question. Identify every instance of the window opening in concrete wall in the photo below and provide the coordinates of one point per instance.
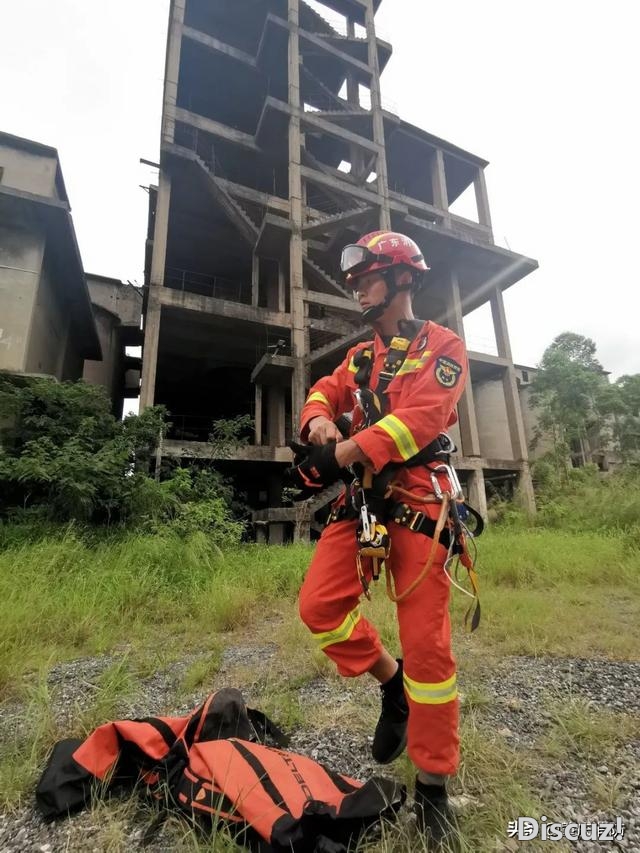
(478, 330)
(364, 96)
(309, 108)
(268, 283)
(344, 166)
(372, 177)
(465, 205)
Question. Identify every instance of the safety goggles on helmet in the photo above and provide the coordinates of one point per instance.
(356, 258)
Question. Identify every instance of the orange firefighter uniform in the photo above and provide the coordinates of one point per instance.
(421, 403)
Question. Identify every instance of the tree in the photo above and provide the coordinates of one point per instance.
(63, 452)
(570, 393)
(627, 417)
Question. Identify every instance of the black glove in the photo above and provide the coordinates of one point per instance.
(315, 469)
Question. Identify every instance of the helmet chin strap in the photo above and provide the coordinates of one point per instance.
(374, 312)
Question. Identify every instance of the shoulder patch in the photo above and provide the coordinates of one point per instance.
(447, 372)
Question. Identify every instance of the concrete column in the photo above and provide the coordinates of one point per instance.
(525, 494)
(299, 346)
(275, 416)
(255, 280)
(378, 121)
(439, 184)
(466, 407)
(150, 350)
(260, 529)
(276, 533)
(161, 230)
(153, 310)
(172, 69)
(482, 199)
(353, 97)
(476, 492)
(258, 416)
(282, 303)
(512, 400)
(512, 397)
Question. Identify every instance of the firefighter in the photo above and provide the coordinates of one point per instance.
(401, 390)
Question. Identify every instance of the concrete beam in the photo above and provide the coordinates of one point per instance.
(341, 345)
(215, 128)
(223, 308)
(348, 306)
(249, 194)
(204, 450)
(337, 325)
(330, 223)
(273, 367)
(310, 119)
(343, 186)
(218, 46)
(317, 41)
(487, 358)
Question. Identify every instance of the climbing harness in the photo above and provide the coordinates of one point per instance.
(370, 498)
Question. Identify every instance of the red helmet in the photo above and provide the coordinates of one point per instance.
(381, 250)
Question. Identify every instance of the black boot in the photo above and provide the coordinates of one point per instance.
(435, 817)
(390, 737)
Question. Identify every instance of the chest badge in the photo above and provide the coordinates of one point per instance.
(447, 372)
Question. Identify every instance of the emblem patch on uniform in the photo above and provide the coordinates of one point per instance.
(447, 372)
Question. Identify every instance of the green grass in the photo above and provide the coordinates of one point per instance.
(148, 601)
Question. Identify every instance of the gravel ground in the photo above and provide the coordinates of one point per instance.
(515, 706)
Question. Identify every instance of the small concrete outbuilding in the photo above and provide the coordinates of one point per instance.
(47, 326)
(117, 308)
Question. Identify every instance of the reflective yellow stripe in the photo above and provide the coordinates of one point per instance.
(377, 239)
(437, 693)
(341, 633)
(410, 365)
(352, 365)
(318, 397)
(401, 434)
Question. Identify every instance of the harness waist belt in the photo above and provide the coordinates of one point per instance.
(400, 513)
(418, 522)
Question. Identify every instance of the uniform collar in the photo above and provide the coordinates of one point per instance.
(380, 347)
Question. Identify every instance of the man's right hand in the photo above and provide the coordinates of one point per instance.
(322, 431)
(316, 469)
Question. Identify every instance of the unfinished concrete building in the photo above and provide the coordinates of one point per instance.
(276, 151)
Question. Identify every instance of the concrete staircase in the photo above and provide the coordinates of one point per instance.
(326, 283)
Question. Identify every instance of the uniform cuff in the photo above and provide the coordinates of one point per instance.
(369, 444)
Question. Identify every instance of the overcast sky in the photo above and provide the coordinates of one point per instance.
(546, 91)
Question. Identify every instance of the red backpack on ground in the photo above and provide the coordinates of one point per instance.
(210, 764)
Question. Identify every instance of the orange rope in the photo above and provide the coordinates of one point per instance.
(440, 524)
(427, 499)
